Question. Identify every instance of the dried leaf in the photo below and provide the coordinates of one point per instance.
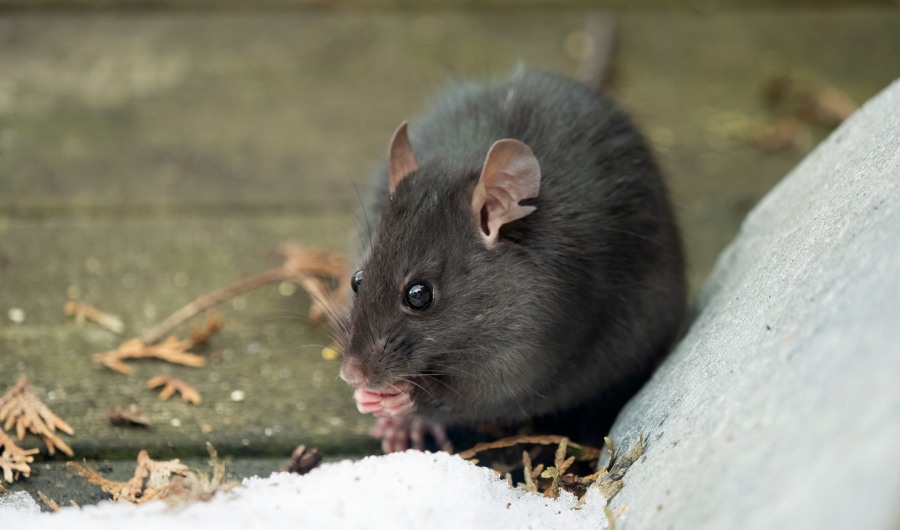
(120, 491)
(149, 476)
(826, 105)
(50, 503)
(128, 417)
(611, 480)
(574, 485)
(610, 488)
(211, 326)
(610, 518)
(785, 133)
(168, 479)
(13, 459)
(322, 273)
(21, 408)
(553, 490)
(303, 461)
(81, 312)
(581, 452)
(172, 350)
(528, 473)
(189, 393)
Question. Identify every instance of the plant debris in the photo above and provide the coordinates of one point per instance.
(303, 461)
(322, 273)
(48, 502)
(610, 479)
(797, 105)
(572, 467)
(581, 452)
(168, 479)
(130, 416)
(173, 349)
(14, 460)
(21, 408)
(82, 312)
(610, 518)
(189, 393)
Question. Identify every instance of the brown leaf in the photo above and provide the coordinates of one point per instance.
(211, 326)
(50, 503)
(167, 479)
(303, 461)
(189, 393)
(13, 459)
(81, 312)
(171, 350)
(130, 416)
(826, 105)
(322, 273)
(581, 452)
(785, 133)
(21, 408)
(610, 481)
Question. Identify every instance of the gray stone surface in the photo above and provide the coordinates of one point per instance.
(781, 407)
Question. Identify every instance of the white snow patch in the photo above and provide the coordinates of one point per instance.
(402, 490)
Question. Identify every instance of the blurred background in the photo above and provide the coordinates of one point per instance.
(152, 109)
(152, 151)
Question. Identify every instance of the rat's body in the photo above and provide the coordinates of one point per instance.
(542, 312)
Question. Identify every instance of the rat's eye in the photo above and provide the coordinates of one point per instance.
(356, 280)
(418, 295)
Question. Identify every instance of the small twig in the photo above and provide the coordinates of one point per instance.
(301, 265)
(207, 301)
(529, 480)
(189, 393)
(21, 408)
(81, 312)
(610, 518)
(50, 503)
(583, 452)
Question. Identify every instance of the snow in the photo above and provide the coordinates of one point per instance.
(401, 490)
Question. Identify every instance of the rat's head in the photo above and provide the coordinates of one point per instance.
(438, 285)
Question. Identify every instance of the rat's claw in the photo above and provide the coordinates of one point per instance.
(399, 433)
(417, 437)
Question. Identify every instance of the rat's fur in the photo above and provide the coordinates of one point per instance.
(575, 304)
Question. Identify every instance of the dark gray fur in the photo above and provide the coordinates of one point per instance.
(577, 302)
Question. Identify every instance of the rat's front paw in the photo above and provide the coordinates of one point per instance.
(393, 400)
(399, 433)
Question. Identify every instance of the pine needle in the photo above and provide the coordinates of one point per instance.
(81, 312)
(21, 409)
(14, 460)
(189, 393)
(173, 349)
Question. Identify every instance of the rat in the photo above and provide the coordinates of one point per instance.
(524, 265)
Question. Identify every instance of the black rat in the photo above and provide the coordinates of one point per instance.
(524, 264)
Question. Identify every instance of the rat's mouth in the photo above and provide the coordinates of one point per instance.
(397, 399)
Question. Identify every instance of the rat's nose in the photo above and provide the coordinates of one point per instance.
(352, 372)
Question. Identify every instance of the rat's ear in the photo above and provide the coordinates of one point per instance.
(511, 174)
(401, 159)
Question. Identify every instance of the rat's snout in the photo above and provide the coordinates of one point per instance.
(352, 372)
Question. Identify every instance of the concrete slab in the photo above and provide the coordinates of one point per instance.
(143, 270)
(780, 407)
